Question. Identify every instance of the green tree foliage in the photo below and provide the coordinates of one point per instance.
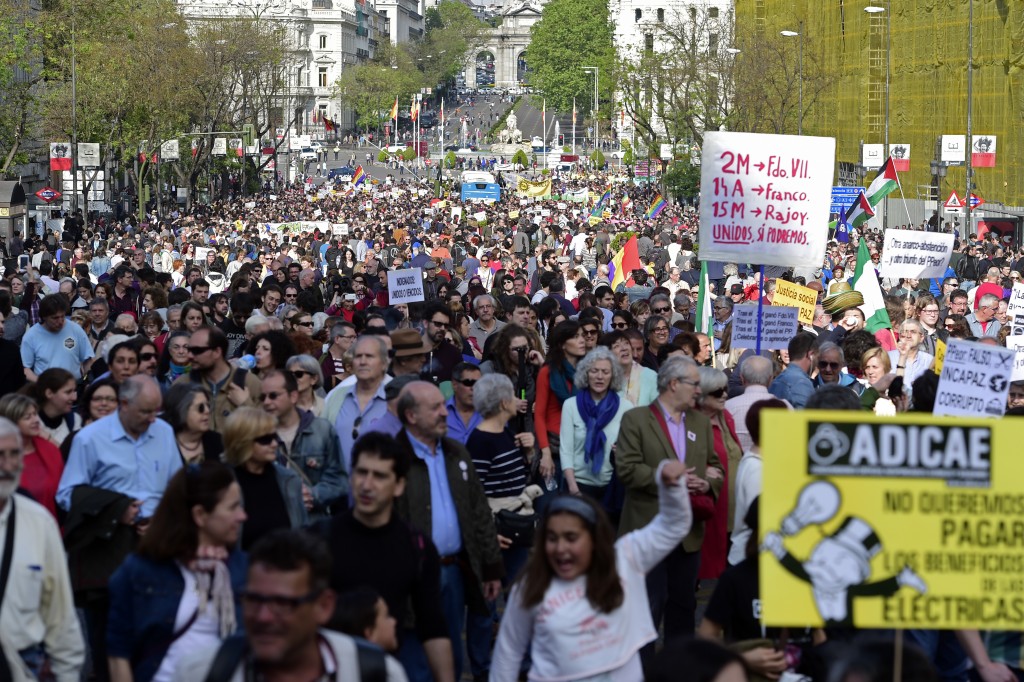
(22, 37)
(371, 88)
(597, 158)
(451, 30)
(682, 180)
(520, 158)
(450, 160)
(572, 34)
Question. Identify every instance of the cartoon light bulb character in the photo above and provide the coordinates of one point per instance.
(839, 567)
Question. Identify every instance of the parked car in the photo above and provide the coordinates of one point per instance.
(341, 174)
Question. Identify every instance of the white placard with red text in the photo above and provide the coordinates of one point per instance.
(765, 198)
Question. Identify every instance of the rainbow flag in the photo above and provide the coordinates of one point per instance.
(624, 263)
(657, 206)
(358, 177)
(598, 213)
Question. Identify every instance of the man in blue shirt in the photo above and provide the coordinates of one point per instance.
(794, 384)
(129, 452)
(55, 342)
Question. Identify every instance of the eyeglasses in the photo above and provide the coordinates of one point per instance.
(930, 311)
(825, 364)
(277, 605)
(620, 325)
(660, 311)
(306, 323)
(202, 408)
(588, 331)
(291, 295)
(300, 373)
(122, 330)
(266, 439)
(355, 427)
(438, 323)
(273, 395)
(468, 383)
(660, 330)
(146, 357)
(689, 382)
(717, 394)
(197, 350)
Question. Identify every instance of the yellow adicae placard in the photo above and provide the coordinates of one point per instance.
(911, 521)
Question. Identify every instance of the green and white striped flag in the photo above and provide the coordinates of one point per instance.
(866, 282)
(703, 323)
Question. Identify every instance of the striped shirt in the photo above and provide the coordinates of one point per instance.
(498, 461)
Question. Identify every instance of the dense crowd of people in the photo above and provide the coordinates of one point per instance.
(236, 458)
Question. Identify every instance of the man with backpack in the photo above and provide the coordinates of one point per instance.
(285, 606)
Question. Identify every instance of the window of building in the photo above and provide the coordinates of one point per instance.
(638, 14)
(661, 15)
(712, 42)
(712, 12)
(693, 14)
(649, 42)
(321, 77)
(323, 42)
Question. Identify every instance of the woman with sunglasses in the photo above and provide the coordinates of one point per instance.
(274, 491)
(714, 388)
(310, 379)
(656, 336)
(622, 320)
(179, 592)
(187, 410)
(148, 355)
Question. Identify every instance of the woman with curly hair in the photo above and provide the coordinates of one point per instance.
(271, 349)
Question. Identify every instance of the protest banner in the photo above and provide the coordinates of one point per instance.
(803, 298)
(298, 226)
(778, 325)
(405, 286)
(974, 381)
(891, 522)
(1015, 309)
(541, 189)
(1016, 344)
(909, 253)
(765, 198)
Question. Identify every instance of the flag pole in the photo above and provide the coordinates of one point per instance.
(760, 310)
(910, 222)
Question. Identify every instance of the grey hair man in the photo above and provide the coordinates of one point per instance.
(486, 324)
(756, 373)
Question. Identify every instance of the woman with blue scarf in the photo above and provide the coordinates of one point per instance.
(590, 424)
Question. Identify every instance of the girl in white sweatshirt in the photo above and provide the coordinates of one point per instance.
(582, 603)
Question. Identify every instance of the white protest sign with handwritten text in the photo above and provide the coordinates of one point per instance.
(405, 286)
(974, 381)
(778, 325)
(765, 198)
(920, 255)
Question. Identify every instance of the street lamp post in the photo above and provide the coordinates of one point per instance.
(800, 70)
(970, 108)
(594, 71)
(874, 9)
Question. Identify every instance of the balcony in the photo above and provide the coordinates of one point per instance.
(362, 54)
(373, 44)
(362, 31)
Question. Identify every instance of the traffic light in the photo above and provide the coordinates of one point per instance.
(248, 134)
(561, 139)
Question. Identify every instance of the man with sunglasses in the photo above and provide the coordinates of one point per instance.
(229, 386)
(831, 366)
(462, 415)
(307, 443)
(443, 356)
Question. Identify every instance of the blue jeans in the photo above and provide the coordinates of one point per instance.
(453, 603)
(944, 651)
(480, 628)
(413, 658)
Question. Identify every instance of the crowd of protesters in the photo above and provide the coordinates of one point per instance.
(236, 458)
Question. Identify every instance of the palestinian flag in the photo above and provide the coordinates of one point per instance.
(860, 211)
(884, 184)
(704, 324)
(866, 282)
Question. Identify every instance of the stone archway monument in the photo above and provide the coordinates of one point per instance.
(507, 43)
